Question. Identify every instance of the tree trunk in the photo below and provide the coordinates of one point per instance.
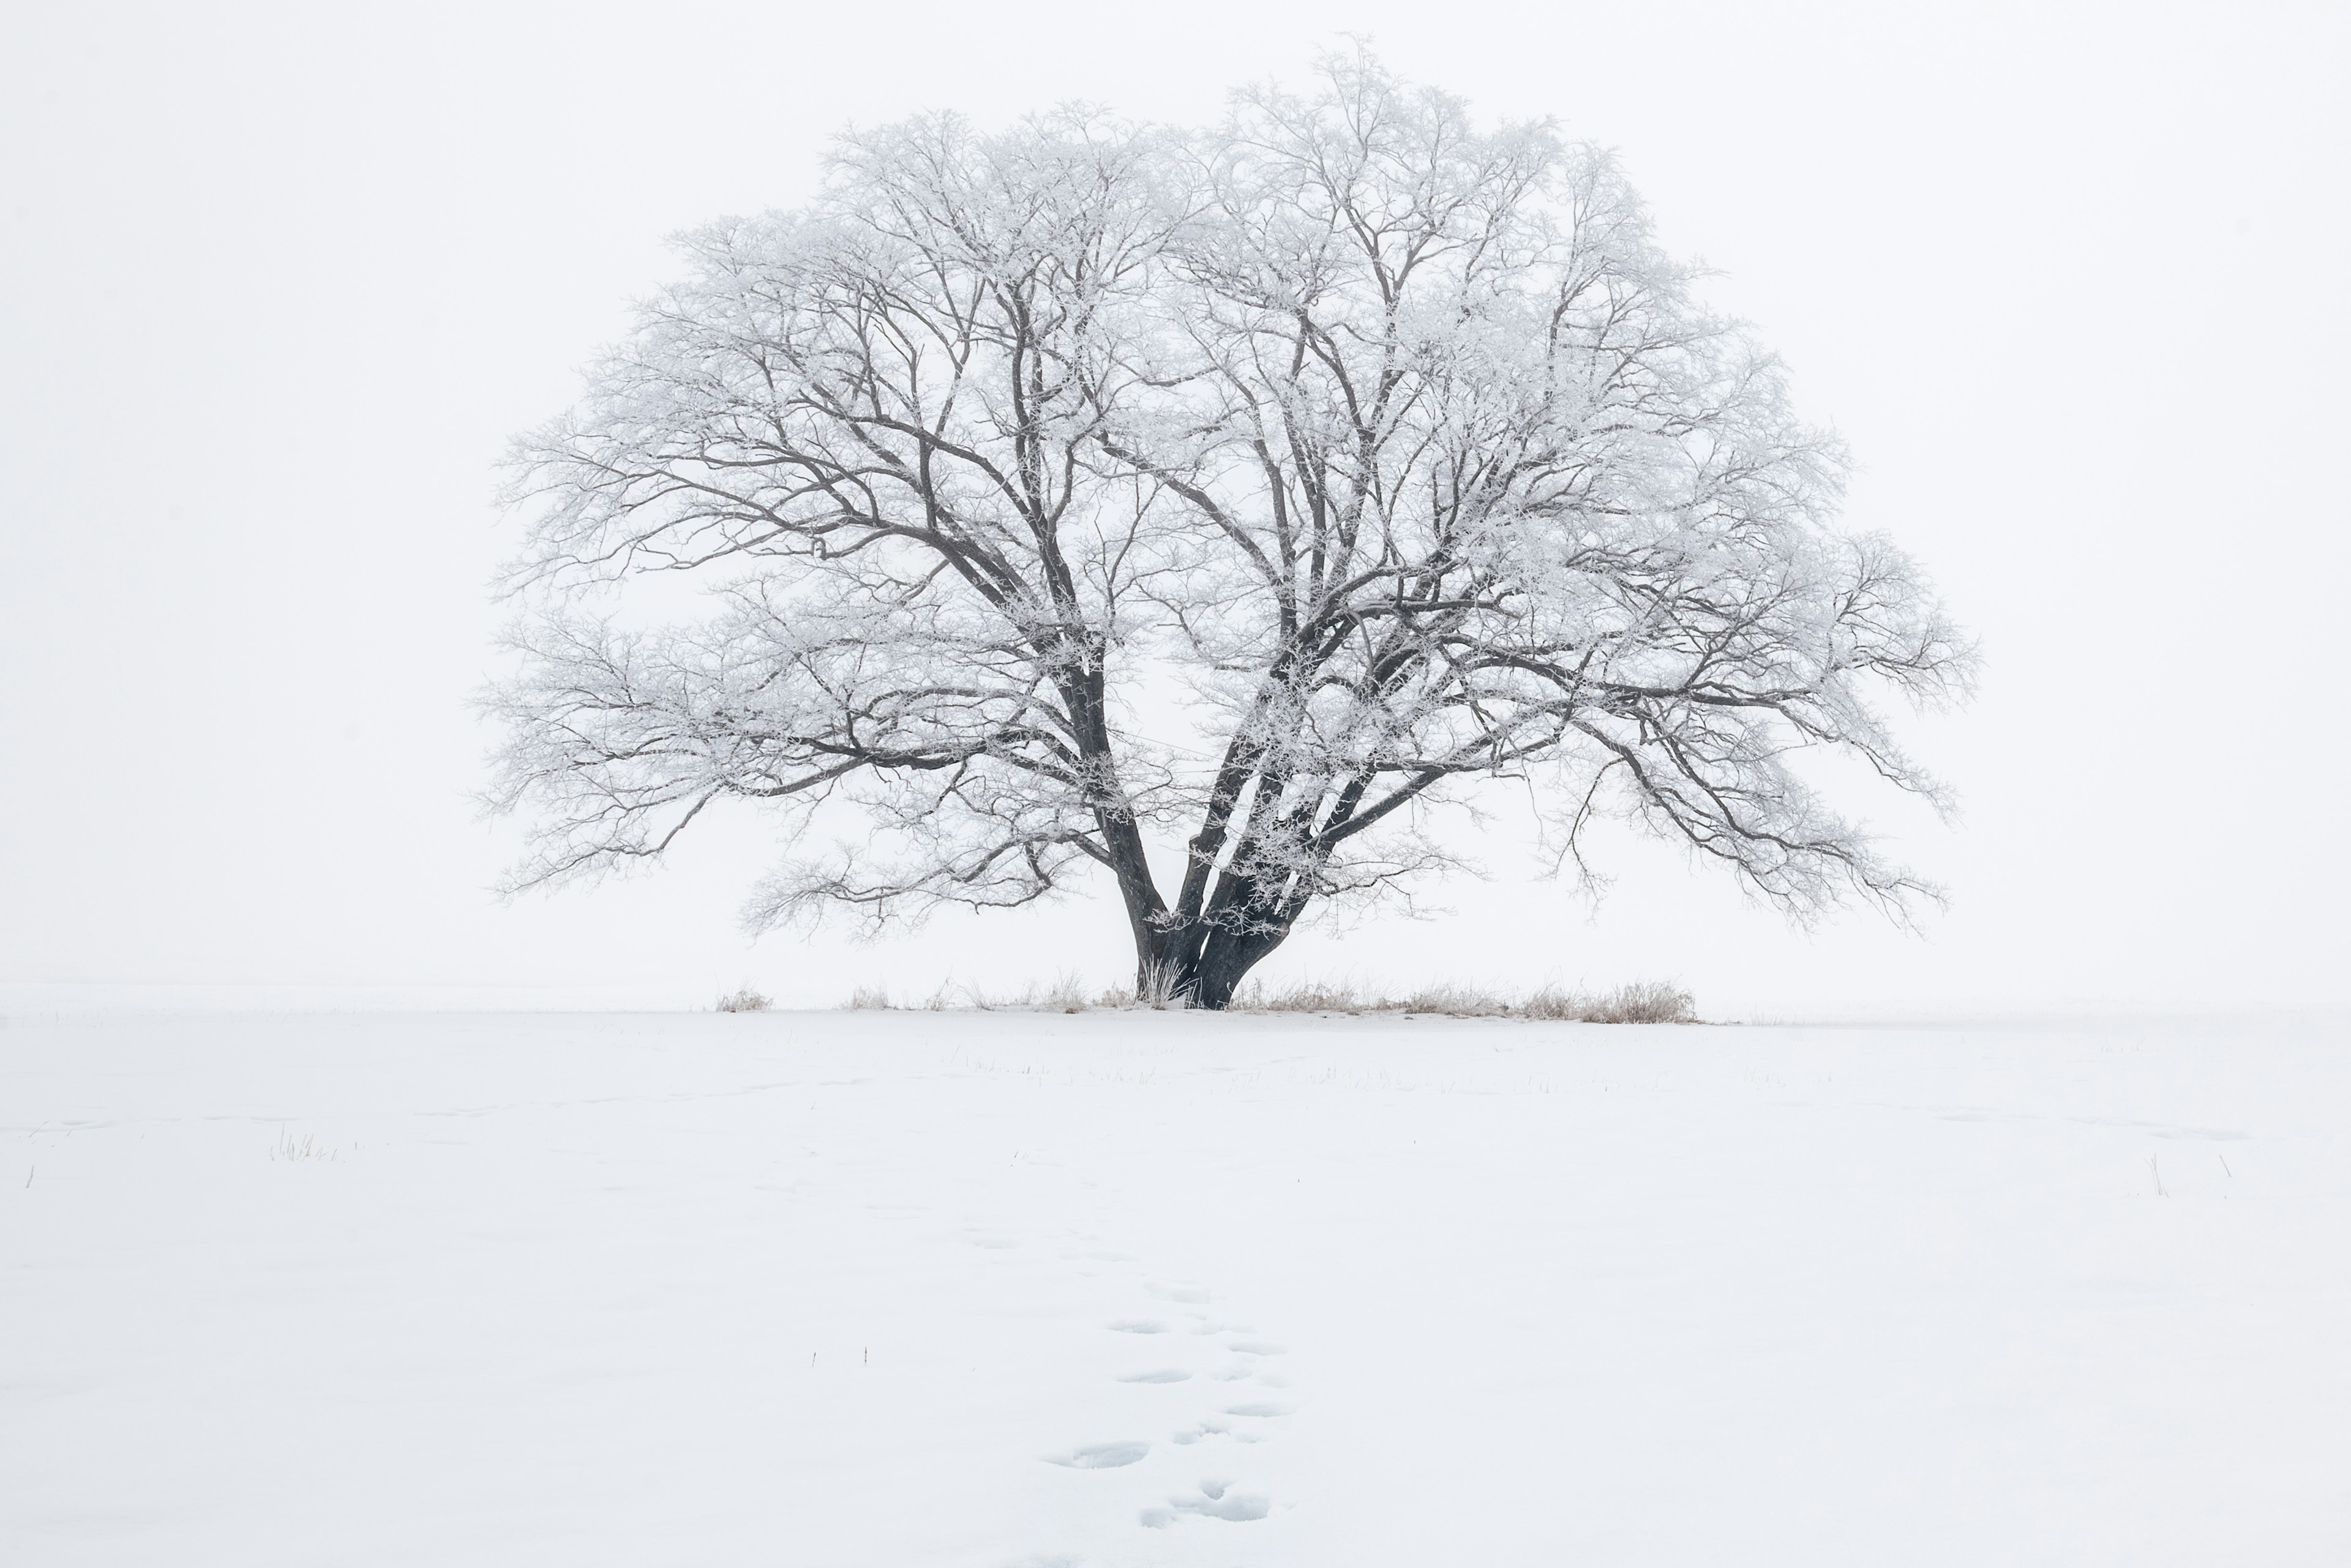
(1176, 964)
(1194, 952)
(1225, 960)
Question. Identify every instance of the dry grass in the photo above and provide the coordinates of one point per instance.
(746, 1000)
(1642, 1001)
(1157, 992)
(1306, 996)
(1068, 993)
(289, 1148)
(1647, 1001)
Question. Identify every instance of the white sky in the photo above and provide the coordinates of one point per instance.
(275, 286)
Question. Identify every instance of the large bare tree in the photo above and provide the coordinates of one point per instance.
(1389, 454)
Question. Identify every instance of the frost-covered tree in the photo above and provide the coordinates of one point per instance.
(1392, 451)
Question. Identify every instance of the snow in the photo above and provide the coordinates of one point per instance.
(1015, 1288)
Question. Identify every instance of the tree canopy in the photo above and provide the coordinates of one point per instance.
(1391, 453)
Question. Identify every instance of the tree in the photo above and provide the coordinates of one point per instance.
(1395, 448)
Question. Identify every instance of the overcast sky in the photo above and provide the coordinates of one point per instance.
(280, 284)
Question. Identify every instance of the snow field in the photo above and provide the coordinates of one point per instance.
(1014, 1289)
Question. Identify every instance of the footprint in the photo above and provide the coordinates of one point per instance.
(1205, 1429)
(1223, 1429)
(1101, 1456)
(1216, 1500)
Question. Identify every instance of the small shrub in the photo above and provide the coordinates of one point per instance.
(870, 999)
(746, 1000)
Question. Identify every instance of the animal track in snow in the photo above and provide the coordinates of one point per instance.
(1138, 1325)
(1253, 1347)
(1164, 1375)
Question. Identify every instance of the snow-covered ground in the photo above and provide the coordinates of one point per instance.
(1002, 1289)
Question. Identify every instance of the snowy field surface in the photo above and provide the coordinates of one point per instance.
(905, 1289)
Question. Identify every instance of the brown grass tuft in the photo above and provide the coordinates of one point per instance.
(1642, 1001)
(1067, 994)
(746, 1000)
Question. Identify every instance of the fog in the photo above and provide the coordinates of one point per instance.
(278, 285)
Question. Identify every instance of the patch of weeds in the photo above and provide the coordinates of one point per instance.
(305, 1147)
(1644, 1001)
